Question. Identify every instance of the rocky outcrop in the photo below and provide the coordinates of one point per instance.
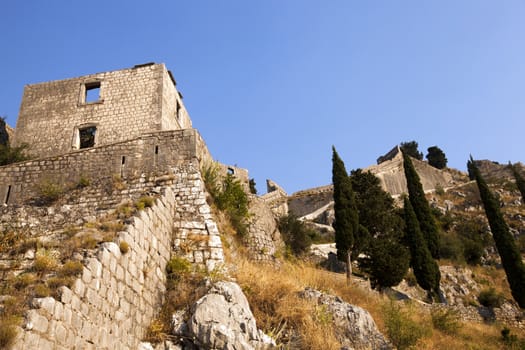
(222, 319)
(354, 326)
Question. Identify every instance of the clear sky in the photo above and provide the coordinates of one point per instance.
(272, 85)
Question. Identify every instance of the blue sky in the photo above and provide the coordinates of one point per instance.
(272, 85)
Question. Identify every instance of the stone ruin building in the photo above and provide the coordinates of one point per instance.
(127, 134)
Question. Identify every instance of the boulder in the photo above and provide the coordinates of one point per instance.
(222, 319)
(355, 328)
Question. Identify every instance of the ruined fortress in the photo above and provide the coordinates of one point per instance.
(127, 134)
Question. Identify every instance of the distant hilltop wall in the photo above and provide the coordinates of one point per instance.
(391, 174)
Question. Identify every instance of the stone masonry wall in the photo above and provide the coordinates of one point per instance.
(112, 303)
(150, 153)
(130, 103)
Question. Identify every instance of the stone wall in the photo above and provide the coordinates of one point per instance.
(305, 202)
(113, 302)
(150, 153)
(131, 102)
(115, 299)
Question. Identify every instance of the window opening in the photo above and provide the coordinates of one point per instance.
(87, 136)
(123, 160)
(156, 149)
(7, 194)
(92, 92)
(231, 171)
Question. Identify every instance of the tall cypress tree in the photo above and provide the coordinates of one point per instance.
(520, 182)
(425, 267)
(508, 251)
(346, 222)
(421, 207)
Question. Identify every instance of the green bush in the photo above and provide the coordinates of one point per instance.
(490, 298)
(177, 267)
(9, 155)
(446, 320)
(234, 202)
(295, 234)
(403, 331)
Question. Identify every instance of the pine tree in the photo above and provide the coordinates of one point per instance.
(436, 157)
(346, 222)
(421, 208)
(510, 255)
(520, 182)
(425, 267)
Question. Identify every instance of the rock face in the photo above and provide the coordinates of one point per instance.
(222, 319)
(354, 326)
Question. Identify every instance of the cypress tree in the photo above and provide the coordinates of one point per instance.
(510, 255)
(520, 182)
(425, 267)
(421, 207)
(346, 222)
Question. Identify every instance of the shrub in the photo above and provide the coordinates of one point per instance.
(233, 200)
(446, 320)
(55, 282)
(8, 333)
(124, 247)
(295, 234)
(49, 191)
(83, 182)
(9, 155)
(403, 331)
(490, 298)
(144, 202)
(71, 268)
(41, 291)
(45, 261)
(177, 266)
(23, 280)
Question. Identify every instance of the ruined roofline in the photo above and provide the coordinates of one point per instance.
(94, 75)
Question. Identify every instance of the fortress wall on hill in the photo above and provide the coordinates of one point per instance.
(151, 153)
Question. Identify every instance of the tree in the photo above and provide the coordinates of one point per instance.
(425, 267)
(295, 233)
(421, 207)
(10, 154)
(411, 148)
(508, 251)
(346, 223)
(386, 262)
(375, 206)
(520, 182)
(436, 157)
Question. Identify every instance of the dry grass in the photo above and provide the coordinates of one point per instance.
(298, 324)
(291, 320)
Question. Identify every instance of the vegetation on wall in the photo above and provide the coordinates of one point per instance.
(296, 235)
(228, 195)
